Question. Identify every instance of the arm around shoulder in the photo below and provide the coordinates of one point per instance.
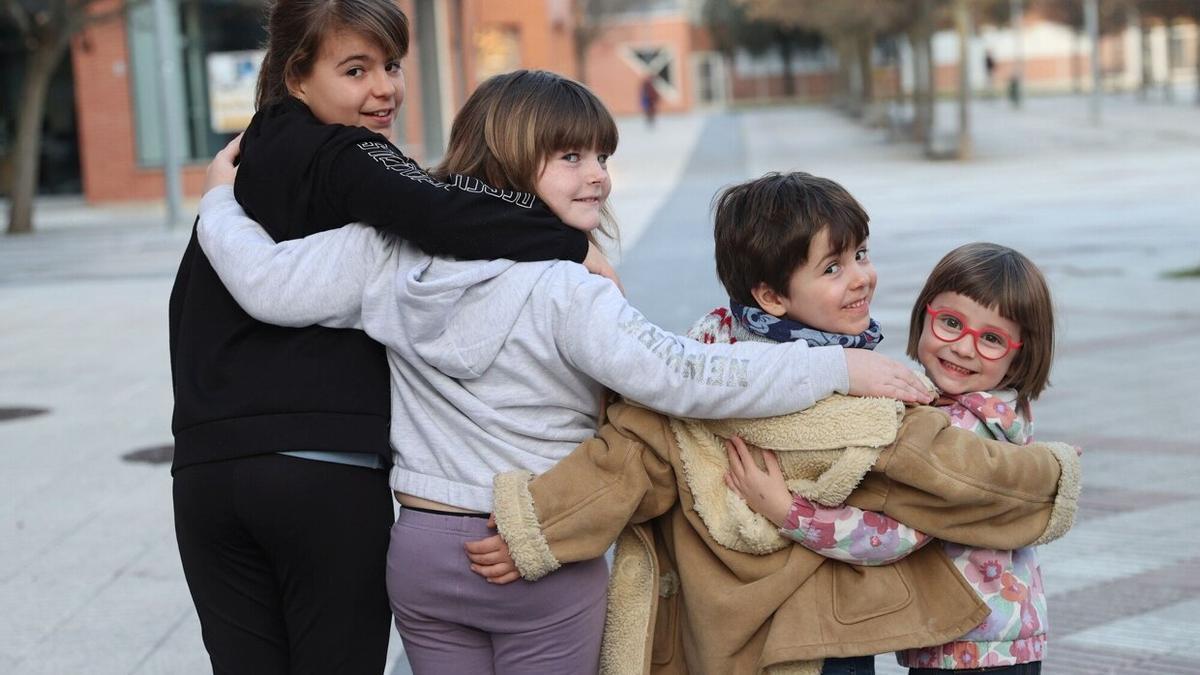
(374, 183)
(316, 280)
(604, 336)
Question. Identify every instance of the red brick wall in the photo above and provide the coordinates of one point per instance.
(104, 108)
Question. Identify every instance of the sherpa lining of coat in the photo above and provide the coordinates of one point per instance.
(517, 521)
(823, 451)
(1066, 501)
(631, 598)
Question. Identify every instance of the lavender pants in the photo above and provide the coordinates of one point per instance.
(452, 621)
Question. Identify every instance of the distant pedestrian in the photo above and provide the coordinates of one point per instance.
(989, 67)
(648, 94)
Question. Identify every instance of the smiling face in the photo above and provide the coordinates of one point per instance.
(352, 82)
(575, 185)
(831, 291)
(956, 367)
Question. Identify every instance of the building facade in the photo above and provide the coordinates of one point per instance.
(108, 142)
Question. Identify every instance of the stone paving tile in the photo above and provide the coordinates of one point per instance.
(1101, 502)
(1124, 599)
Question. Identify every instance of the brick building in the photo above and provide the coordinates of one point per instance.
(108, 144)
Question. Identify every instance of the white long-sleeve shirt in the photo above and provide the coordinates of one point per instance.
(497, 365)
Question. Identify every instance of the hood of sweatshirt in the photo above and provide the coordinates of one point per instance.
(457, 314)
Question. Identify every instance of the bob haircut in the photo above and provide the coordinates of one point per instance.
(763, 229)
(513, 122)
(297, 28)
(1001, 278)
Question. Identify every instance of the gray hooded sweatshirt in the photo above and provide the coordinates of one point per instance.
(497, 365)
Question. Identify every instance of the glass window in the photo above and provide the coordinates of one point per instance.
(217, 38)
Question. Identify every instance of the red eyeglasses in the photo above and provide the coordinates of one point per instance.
(950, 326)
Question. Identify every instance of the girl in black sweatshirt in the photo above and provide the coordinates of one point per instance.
(282, 510)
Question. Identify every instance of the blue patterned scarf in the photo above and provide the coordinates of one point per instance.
(784, 329)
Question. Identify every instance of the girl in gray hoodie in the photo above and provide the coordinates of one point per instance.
(499, 366)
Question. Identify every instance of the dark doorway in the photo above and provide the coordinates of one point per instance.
(58, 171)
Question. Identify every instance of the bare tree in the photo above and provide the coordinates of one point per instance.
(851, 27)
(45, 28)
(731, 29)
(1112, 17)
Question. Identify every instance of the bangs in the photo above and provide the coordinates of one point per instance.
(1004, 286)
(574, 119)
(845, 232)
(383, 23)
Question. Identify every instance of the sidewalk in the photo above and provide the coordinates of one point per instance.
(89, 575)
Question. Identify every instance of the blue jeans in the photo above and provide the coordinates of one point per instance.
(1031, 668)
(854, 665)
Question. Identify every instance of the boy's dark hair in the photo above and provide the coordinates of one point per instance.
(295, 29)
(1000, 277)
(763, 228)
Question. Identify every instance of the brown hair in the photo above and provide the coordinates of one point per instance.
(763, 228)
(998, 277)
(512, 122)
(296, 28)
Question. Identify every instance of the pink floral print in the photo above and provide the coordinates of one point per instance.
(1010, 582)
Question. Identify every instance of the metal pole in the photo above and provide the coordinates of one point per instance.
(1091, 19)
(167, 43)
(1017, 14)
(962, 20)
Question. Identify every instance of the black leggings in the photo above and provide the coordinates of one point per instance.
(286, 561)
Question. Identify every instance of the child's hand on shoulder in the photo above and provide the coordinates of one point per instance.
(765, 492)
(223, 169)
(873, 374)
(491, 559)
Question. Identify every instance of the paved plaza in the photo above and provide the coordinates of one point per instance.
(90, 580)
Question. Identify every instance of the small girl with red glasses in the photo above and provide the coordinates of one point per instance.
(983, 329)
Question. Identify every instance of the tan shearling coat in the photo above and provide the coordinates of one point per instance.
(698, 586)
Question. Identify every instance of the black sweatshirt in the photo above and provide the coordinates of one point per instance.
(243, 387)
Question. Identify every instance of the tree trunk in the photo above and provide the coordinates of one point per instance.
(864, 45)
(1147, 79)
(924, 87)
(930, 77)
(1076, 70)
(1198, 61)
(920, 86)
(1016, 86)
(846, 68)
(789, 75)
(1169, 80)
(27, 149)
